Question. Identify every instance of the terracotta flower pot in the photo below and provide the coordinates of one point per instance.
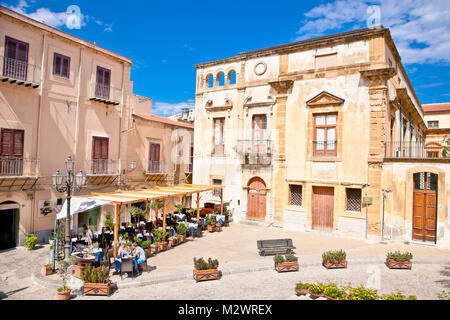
(154, 248)
(173, 241)
(218, 227)
(286, 266)
(211, 228)
(209, 274)
(148, 252)
(78, 270)
(181, 238)
(64, 295)
(162, 246)
(335, 264)
(398, 264)
(301, 292)
(46, 271)
(97, 289)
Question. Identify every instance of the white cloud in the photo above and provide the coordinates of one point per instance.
(166, 109)
(420, 28)
(108, 28)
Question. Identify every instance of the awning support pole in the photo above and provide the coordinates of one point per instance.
(221, 200)
(164, 215)
(198, 207)
(116, 228)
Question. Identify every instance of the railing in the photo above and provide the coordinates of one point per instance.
(103, 167)
(325, 148)
(156, 167)
(106, 93)
(255, 152)
(20, 70)
(16, 167)
(412, 150)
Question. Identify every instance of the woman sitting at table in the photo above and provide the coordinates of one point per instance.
(139, 255)
(123, 250)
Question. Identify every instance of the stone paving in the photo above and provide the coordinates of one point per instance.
(246, 275)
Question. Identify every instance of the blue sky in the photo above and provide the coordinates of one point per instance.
(165, 39)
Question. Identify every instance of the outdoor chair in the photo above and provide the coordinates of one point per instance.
(127, 265)
(142, 265)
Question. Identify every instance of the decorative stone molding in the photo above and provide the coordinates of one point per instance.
(270, 102)
(325, 99)
(282, 86)
(260, 68)
(227, 106)
(378, 77)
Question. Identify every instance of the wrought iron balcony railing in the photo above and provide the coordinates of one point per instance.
(20, 72)
(103, 167)
(156, 167)
(255, 152)
(412, 150)
(17, 167)
(106, 94)
(325, 148)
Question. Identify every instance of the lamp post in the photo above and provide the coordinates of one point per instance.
(72, 184)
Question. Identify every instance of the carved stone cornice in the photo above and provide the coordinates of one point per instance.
(282, 86)
(209, 106)
(382, 74)
(325, 99)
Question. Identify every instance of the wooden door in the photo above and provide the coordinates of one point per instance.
(11, 153)
(323, 208)
(256, 199)
(100, 155)
(154, 158)
(424, 207)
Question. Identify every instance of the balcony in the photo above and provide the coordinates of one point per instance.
(106, 94)
(325, 148)
(255, 152)
(20, 72)
(18, 174)
(413, 150)
(102, 171)
(156, 167)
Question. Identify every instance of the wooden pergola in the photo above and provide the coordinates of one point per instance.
(125, 197)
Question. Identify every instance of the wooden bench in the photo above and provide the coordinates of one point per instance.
(275, 246)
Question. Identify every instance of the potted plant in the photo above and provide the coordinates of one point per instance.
(333, 292)
(302, 289)
(63, 272)
(160, 236)
(96, 281)
(108, 223)
(181, 231)
(285, 264)
(146, 246)
(179, 207)
(226, 212)
(399, 260)
(173, 241)
(47, 269)
(334, 259)
(137, 213)
(218, 226)
(205, 270)
(30, 241)
(211, 222)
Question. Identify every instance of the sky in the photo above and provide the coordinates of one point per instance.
(165, 39)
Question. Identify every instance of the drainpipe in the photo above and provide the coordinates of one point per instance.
(382, 219)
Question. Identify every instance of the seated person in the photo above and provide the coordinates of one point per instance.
(123, 250)
(139, 255)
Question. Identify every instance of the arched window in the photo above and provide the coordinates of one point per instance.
(232, 77)
(221, 79)
(210, 80)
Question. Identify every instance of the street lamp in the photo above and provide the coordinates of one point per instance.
(69, 187)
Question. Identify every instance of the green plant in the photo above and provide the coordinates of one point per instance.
(302, 286)
(146, 244)
(96, 275)
(179, 206)
(291, 258)
(160, 234)
(63, 271)
(108, 221)
(211, 220)
(317, 288)
(397, 255)
(278, 258)
(201, 264)
(136, 212)
(334, 255)
(48, 265)
(182, 228)
(125, 236)
(62, 289)
(362, 293)
(333, 291)
(443, 295)
(30, 241)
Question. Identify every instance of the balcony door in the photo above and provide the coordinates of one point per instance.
(218, 140)
(100, 155)
(424, 207)
(11, 159)
(102, 84)
(15, 63)
(259, 127)
(154, 157)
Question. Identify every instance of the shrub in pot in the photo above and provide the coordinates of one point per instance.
(30, 241)
(173, 241)
(334, 259)
(211, 222)
(399, 260)
(109, 223)
(136, 213)
(218, 227)
(96, 281)
(146, 246)
(181, 231)
(286, 263)
(47, 269)
(160, 236)
(63, 272)
(205, 270)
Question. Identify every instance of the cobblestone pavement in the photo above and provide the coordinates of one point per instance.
(235, 248)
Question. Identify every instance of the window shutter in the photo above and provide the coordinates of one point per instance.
(18, 143)
(65, 67)
(57, 65)
(96, 148)
(7, 142)
(104, 151)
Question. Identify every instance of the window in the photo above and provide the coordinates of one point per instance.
(11, 159)
(433, 124)
(353, 199)
(154, 157)
(325, 142)
(259, 128)
(210, 80)
(295, 195)
(221, 79)
(232, 77)
(100, 155)
(218, 142)
(217, 182)
(61, 65)
(102, 83)
(15, 64)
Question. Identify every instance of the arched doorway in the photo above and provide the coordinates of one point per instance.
(424, 207)
(9, 224)
(256, 199)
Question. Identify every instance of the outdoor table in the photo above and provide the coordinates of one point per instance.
(192, 227)
(220, 218)
(180, 217)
